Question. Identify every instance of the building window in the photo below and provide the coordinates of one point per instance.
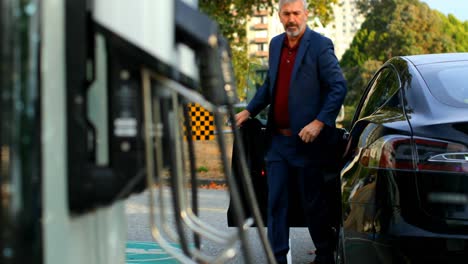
(261, 47)
(254, 48)
(259, 20)
(261, 34)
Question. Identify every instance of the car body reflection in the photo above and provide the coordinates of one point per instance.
(405, 182)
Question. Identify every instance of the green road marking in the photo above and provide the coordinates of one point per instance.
(138, 252)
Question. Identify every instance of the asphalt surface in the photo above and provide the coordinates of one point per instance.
(142, 248)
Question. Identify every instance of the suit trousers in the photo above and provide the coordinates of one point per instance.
(284, 159)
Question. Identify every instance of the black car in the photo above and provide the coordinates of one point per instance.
(405, 179)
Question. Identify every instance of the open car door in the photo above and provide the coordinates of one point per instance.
(254, 140)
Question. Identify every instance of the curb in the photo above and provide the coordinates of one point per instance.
(204, 182)
(201, 182)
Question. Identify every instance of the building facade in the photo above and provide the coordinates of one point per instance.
(347, 21)
(261, 28)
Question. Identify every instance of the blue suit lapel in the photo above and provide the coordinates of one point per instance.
(275, 56)
(303, 46)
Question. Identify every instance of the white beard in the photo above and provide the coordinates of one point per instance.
(294, 33)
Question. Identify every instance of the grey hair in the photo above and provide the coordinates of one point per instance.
(282, 2)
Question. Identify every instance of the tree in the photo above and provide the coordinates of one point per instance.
(456, 30)
(394, 28)
(232, 17)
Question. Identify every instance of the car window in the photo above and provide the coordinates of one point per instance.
(447, 82)
(380, 91)
(256, 77)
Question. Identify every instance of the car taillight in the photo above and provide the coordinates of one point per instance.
(440, 155)
(394, 152)
(389, 152)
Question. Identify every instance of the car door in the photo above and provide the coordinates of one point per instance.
(365, 184)
(254, 139)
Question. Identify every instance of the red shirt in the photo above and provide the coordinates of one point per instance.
(288, 56)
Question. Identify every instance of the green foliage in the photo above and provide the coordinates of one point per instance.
(239, 60)
(456, 30)
(358, 76)
(232, 17)
(349, 114)
(322, 9)
(396, 28)
(202, 169)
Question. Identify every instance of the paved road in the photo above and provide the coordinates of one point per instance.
(213, 207)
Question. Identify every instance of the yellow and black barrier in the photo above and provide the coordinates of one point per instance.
(202, 122)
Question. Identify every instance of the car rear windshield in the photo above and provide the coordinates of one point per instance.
(448, 82)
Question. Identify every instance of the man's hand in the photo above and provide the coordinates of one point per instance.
(241, 117)
(310, 132)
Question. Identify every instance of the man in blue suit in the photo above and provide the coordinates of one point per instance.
(305, 89)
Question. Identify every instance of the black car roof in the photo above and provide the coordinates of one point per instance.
(437, 58)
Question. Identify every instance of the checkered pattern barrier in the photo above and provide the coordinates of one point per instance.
(202, 122)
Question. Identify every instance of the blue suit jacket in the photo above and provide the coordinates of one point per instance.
(317, 88)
